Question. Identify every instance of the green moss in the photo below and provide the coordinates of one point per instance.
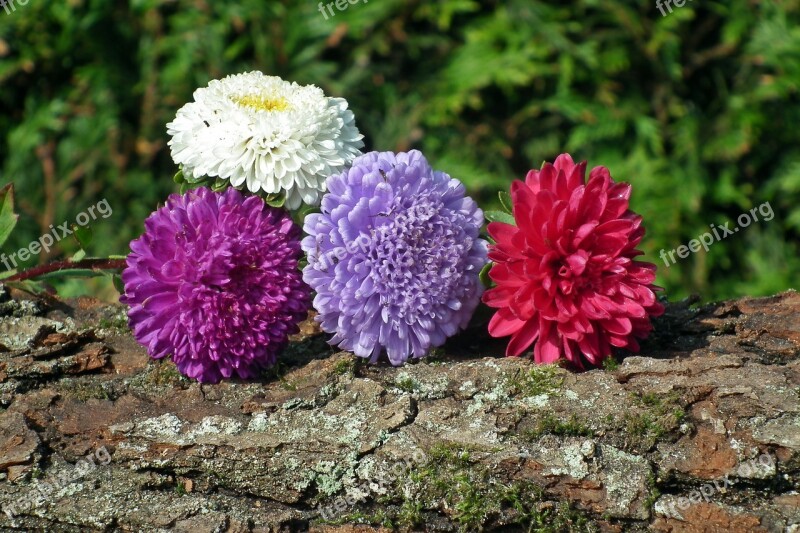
(118, 323)
(558, 518)
(378, 518)
(278, 373)
(406, 383)
(83, 391)
(657, 416)
(642, 431)
(344, 366)
(436, 357)
(473, 499)
(642, 426)
(454, 483)
(410, 514)
(164, 372)
(655, 494)
(540, 379)
(610, 364)
(550, 425)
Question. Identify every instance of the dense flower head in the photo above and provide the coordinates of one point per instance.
(394, 257)
(566, 275)
(214, 282)
(266, 134)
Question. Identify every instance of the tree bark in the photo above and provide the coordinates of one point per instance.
(699, 432)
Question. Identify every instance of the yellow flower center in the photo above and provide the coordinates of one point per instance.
(261, 102)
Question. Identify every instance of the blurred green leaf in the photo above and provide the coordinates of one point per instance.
(31, 286)
(8, 218)
(485, 279)
(83, 235)
(506, 202)
(118, 283)
(71, 273)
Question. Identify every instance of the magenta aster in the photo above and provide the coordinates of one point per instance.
(566, 275)
(214, 282)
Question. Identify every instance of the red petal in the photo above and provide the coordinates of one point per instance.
(577, 177)
(523, 338)
(503, 323)
(618, 326)
(502, 232)
(547, 349)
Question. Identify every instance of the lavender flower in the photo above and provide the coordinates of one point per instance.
(394, 257)
(214, 282)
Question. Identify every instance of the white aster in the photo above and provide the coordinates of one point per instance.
(266, 134)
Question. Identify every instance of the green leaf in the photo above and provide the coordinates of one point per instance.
(499, 216)
(8, 274)
(300, 215)
(275, 200)
(82, 234)
(118, 284)
(191, 183)
(220, 185)
(79, 255)
(485, 279)
(178, 177)
(8, 219)
(310, 210)
(505, 200)
(196, 181)
(30, 286)
(72, 273)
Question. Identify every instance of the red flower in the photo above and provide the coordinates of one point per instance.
(566, 275)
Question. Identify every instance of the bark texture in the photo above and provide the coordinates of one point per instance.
(699, 433)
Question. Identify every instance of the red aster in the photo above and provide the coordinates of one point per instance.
(566, 275)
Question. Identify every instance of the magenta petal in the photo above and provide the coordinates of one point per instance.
(205, 294)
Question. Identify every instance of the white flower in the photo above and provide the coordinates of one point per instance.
(265, 133)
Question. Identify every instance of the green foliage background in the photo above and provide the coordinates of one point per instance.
(698, 109)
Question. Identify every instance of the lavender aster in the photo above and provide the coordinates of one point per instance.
(394, 257)
(214, 282)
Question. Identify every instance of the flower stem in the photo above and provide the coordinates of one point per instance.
(86, 264)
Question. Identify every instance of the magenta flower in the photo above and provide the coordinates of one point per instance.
(214, 283)
(566, 275)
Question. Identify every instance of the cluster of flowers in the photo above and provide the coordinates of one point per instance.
(394, 254)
